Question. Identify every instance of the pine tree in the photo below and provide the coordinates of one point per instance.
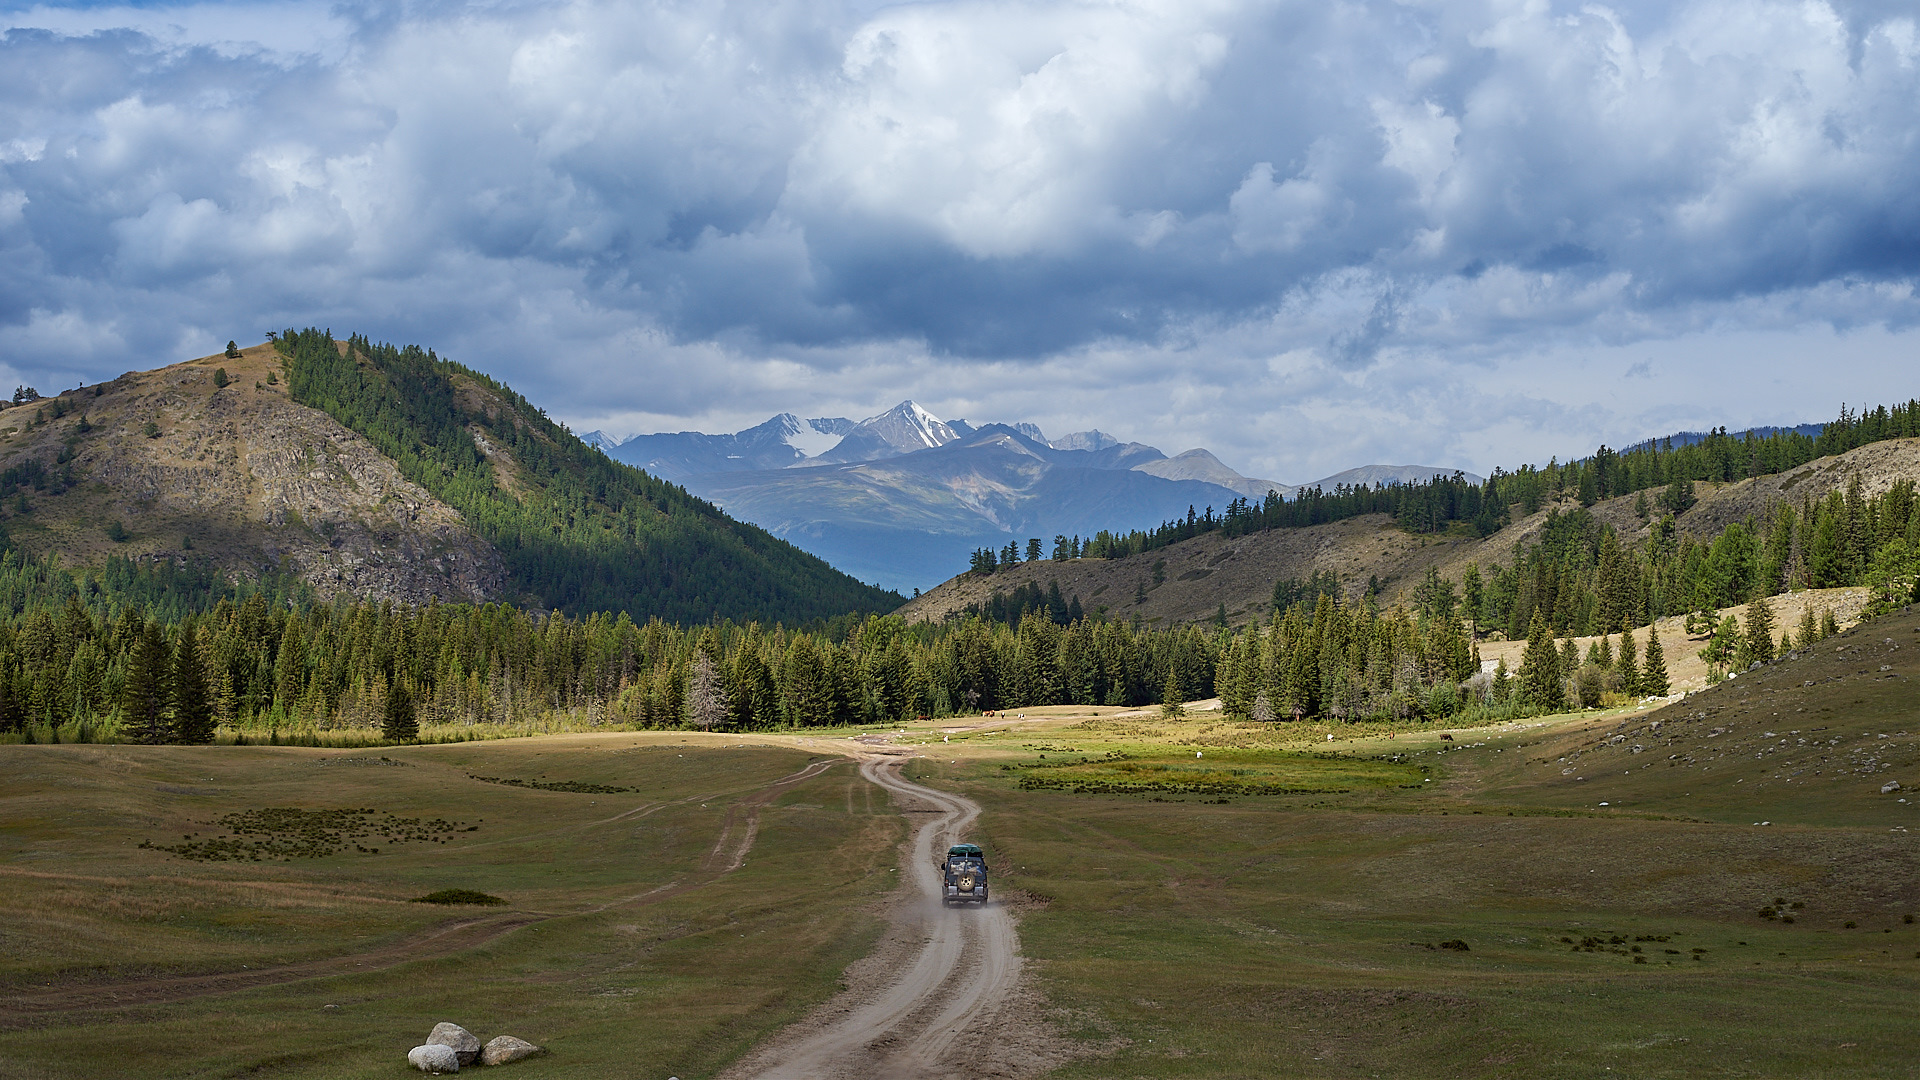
(148, 687)
(192, 705)
(1760, 631)
(226, 701)
(706, 693)
(1170, 703)
(1653, 676)
(1809, 630)
(399, 722)
(1540, 673)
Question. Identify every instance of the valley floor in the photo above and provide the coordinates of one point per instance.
(1719, 887)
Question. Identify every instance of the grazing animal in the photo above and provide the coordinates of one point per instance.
(1446, 738)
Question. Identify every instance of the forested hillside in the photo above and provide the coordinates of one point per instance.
(1443, 502)
(579, 532)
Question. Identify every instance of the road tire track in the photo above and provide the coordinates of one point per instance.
(52, 1006)
(956, 979)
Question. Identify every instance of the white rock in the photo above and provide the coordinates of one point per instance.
(502, 1049)
(463, 1042)
(1890, 787)
(434, 1058)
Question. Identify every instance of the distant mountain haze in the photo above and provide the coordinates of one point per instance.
(903, 497)
(1200, 465)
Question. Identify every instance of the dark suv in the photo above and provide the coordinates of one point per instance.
(964, 871)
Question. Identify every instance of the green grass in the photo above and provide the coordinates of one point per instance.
(1301, 929)
(1303, 935)
(674, 984)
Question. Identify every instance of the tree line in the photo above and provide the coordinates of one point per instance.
(80, 656)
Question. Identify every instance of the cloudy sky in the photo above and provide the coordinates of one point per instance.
(1307, 235)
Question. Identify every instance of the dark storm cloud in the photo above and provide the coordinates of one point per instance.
(693, 210)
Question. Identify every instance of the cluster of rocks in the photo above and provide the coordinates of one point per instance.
(451, 1047)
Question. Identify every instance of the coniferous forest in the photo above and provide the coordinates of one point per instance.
(717, 625)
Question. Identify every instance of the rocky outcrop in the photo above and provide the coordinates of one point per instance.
(465, 1045)
(505, 1049)
(451, 1047)
(241, 475)
(434, 1058)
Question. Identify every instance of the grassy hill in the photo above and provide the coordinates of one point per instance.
(1188, 581)
(576, 530)
(172, 468)
(382, 474)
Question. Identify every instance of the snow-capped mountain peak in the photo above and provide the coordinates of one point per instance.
(902, 429)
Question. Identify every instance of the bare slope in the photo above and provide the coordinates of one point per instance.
(1812, 739)
(240, 475)
(1210, 570)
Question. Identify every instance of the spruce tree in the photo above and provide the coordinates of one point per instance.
(398, 723)
(1809, 630)
(148, 686)
(1540, 676)
(1759, 631)
(192, 704)
(1170, 695)
(1653, 676)
(1629, 665)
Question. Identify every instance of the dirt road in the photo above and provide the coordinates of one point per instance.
(932, 995)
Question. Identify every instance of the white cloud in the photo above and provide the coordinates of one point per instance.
(1248, 216)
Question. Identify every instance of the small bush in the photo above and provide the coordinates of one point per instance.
(272, 378)
(1851, 924)
(220, 379)
(150, 429)
(458, 896)
(1456, 945)
(117, 532)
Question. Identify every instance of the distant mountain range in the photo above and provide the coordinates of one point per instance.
(901, 499)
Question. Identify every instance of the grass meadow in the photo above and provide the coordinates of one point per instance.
(1716, 888)
(628, 953)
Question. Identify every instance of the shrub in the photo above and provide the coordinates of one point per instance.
(117, 532)
(272, 378)
(458, 896)
(220, 379)
(151, 429)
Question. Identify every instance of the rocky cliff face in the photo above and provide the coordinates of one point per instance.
(239, 475)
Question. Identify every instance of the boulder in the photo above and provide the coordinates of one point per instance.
(434, 1058)
(1889, 787)
(463, 1042)
(502, 1049)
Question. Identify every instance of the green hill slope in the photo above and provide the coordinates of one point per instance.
(577, 531)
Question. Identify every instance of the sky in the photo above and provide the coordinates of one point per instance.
(1305, 235)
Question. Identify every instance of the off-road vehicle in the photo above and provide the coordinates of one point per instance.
(964, 875)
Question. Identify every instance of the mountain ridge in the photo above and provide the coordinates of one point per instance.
(234, 464)
(910, 524)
